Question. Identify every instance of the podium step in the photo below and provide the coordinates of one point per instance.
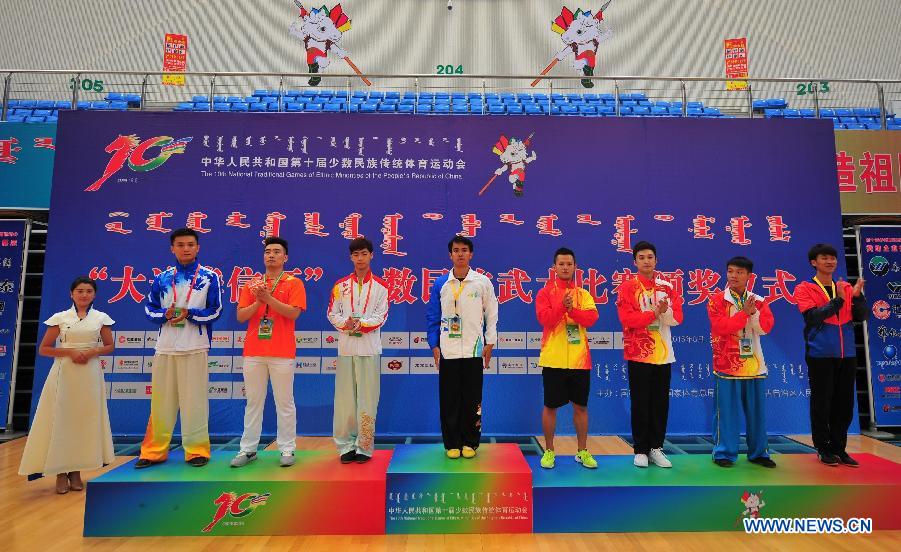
(430, 493)
(318, 495)
(698, 495)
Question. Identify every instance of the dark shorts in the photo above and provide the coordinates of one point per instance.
(564, 385)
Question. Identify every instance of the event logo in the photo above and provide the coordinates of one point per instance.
(320, 30)
(752, 502)
(513, 154)
(231, 504)
(581, 33)
(881, 310)
(879, 266)
(395, 365)
(131, 150)
(889, 352)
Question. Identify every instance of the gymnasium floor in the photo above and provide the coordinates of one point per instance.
(38, 519)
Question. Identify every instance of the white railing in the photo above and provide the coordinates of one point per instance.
(813, 93)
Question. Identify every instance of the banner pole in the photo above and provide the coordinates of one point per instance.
(874, 427)
(21, 300)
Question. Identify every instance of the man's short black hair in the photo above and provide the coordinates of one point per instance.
(276, 241)
(360, 243)
(564, 251)
(741, 262)
(821, 249)
(641, 246)
(461, 240)
(181, 233)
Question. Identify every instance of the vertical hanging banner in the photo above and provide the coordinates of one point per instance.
(880, 265)
(736, 52)
(12, 250)
(175, 59)
(27, 151)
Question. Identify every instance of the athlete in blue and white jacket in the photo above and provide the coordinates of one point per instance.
(203, 301)
(184, 300)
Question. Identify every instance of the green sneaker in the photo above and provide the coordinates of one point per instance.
(547, 460)
(586, 459)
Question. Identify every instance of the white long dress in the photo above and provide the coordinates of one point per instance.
(71, 430)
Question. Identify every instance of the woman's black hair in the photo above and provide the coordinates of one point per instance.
(82, 280)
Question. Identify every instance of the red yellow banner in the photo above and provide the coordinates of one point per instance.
(736, 55)
(175, 59)
(868, 163)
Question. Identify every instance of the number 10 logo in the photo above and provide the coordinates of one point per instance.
(130, 149)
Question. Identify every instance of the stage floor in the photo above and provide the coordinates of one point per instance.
(37, 518)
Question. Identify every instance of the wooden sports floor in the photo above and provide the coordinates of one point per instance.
(36, 519)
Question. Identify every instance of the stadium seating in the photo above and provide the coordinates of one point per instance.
(626, 104)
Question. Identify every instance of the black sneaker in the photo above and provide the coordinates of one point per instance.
(828, 458)
(363, 458)
(144, 463)
(723, 462)
(846, 460)
(764, 461)
(348, 457)
(199, 461)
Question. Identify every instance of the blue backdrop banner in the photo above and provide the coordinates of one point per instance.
(12, 255)
(702, 191)
(880, 266)
(26, 164)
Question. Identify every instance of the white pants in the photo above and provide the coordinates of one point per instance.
(257, 372)
(180, 384)
(356, 403)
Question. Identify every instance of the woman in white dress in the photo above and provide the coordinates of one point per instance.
(71, 431)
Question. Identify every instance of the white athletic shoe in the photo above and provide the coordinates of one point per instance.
(242, 459)
(641, 460)
(659, 459)
(287, 459)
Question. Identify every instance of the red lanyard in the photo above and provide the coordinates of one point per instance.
(368, 293)
(272, 291)
(190, 289)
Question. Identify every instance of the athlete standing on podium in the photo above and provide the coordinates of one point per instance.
(358, 307)
(184, 300)
(829, 308)
(648, 307)
(737, 320)
(271, 304)
(565, 312)
(462, 331)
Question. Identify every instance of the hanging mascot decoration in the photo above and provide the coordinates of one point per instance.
(514, 156)
(581, 33)
(320, 30)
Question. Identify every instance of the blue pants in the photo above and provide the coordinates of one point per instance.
(731, 396)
